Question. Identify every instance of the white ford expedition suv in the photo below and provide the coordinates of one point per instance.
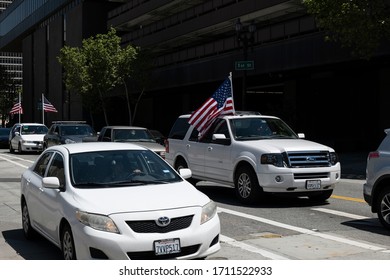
(255, 154)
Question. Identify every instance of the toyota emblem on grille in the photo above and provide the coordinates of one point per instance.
(310, 159)
(163, 221)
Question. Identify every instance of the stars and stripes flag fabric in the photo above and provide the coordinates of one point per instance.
(220, 103)
(47, 106)
(17, 109)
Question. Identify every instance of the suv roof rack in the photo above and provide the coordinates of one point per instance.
(58, 122)
(244, 113)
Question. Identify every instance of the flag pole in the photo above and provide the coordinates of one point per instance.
(43, 111)
(20, 103)
(231, 83)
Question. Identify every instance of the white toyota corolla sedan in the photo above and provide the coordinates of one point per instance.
(116, 201)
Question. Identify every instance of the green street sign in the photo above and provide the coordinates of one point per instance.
(245, 65)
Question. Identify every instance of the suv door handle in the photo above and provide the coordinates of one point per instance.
(188, 146)
(209, 148)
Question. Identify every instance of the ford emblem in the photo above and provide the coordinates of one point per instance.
(310, 159)
(163, 221)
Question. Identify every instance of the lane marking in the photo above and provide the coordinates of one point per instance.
(348, 198)
(251, 248)
(305, 231)
(340, 213)
(14, 162)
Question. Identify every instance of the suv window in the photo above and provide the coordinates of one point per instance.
(179, 129)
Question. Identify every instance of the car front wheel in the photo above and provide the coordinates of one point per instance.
(11, 149)
(67, 243)
(383, 207)
(246, 185)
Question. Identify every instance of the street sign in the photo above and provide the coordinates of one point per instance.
(245, 65)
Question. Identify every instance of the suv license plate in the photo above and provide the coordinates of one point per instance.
(313, 184)
(167, 246)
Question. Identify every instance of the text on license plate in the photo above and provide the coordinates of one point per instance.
(313, 184)
(167, 246)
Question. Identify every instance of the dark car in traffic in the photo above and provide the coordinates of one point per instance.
(4, 134)
(67, 132)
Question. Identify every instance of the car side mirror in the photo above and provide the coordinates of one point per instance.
(301, 135)
(221, 139)
(186, 173)
(51, 182)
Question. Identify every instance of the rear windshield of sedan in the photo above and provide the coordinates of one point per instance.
(119, 168)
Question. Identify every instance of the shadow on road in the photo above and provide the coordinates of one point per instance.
(37, 249)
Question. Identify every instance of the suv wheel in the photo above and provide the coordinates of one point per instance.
(246, 185)
(383, 207)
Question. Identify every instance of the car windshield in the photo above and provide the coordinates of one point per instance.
(33, 129)
(130, 135)
(260, 128)
(119, 168)
(76, 130)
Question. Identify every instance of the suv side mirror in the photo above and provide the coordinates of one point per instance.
(301, 135)
(221, 139)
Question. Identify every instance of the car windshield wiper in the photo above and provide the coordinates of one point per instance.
(132, 182)
(90, 184)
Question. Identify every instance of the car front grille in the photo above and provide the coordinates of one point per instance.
(306, 159)
(150, 226)
(309, 176)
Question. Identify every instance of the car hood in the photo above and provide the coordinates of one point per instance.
(285, 145)
(75, 138)
(33, 137)
(149, 145)
(140, 198)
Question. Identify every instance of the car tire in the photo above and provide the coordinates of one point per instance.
(320, 196)
(67, 243)
(383, 207)
(11, 149)
(19, 149)
(181, 163)
(246, 185)
(28, 231)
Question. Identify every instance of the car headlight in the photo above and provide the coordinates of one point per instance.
(274, 159)
(95, 221)
(208, 212)
(69, 141)
(333, 157)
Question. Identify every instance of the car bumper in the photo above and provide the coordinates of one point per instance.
(289, 182)
(367, 193)
(196, 241)
(32, 147)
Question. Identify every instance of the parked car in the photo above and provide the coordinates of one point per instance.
(4, 137)
(27, 137)
(132, 134)
(376, 189)
(256, 155)
(75, 197)
(67, 132)
(158, 136)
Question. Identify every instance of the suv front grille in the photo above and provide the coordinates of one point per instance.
(151, 226)
(306, 159)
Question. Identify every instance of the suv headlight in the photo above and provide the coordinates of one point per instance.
(95, 221)
(208, 212)
(333, 158)
(273, 159)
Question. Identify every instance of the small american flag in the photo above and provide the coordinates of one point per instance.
(47, 106)
(17, 109)
(220, 103)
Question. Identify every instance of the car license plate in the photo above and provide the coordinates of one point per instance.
(167, 246)
(313, 184)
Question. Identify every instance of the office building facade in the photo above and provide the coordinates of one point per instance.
(277, 56)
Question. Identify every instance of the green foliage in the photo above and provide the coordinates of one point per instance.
(8, 93)
(361, 25)
(97, 67)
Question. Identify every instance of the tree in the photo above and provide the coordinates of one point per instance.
(96, 68)
(8, 94)
(361, 25)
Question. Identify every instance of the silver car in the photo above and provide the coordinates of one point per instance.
(376, 190)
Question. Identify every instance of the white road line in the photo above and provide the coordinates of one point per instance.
(251, 248)
(304, 231)
(339, 213)
(14, 162)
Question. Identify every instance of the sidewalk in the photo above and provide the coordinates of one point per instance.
(353, 165)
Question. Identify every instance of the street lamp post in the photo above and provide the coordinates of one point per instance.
(245, 39)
